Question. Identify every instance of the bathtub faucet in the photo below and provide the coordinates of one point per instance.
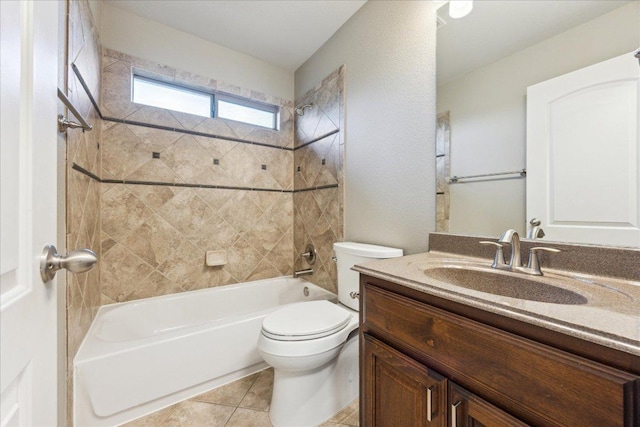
(303, 272)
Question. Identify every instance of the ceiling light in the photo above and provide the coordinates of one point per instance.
(460, 8)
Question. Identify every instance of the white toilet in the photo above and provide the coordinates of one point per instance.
(313, 347)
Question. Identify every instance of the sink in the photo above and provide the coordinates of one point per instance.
(504, 284)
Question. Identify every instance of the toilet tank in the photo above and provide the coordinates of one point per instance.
(349, 254)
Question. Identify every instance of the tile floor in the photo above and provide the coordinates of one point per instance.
(242, 403)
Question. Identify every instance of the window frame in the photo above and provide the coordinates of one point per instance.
(214, 98)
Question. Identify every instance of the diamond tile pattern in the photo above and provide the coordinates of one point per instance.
(82, 193)
(155, 238)
(116, 102)
(258, 229)
(151, 239)
(318, 214)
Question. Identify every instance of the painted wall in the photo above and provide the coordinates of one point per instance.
(388, 48)
(488, 117)
(128, 33)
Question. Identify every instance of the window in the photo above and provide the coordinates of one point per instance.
(157, 93)
(246, 111)
(164, 95)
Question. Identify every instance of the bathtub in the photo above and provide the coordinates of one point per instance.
(141, 356)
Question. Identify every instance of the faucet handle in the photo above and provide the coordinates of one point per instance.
(498, 259)
(533, 265)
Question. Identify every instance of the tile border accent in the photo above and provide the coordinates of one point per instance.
(333, 132)
(82, 170)
(195, 133)
(187, 131)
(319, 187)
(86, 89)
(210, 135)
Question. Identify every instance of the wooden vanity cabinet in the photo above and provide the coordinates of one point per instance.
(402, 392)
(422, 365)
(469, 410)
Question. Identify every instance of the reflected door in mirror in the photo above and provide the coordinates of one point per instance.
(582, 154)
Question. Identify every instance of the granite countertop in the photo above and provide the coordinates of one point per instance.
(609, 313)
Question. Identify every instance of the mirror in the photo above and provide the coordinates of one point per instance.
(485, 62)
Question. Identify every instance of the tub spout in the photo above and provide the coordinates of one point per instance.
(303, 272)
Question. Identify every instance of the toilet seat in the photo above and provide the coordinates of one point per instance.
(306, 321)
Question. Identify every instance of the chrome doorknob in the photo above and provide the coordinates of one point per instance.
(78, 261)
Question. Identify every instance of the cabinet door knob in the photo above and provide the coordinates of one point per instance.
(454, 413)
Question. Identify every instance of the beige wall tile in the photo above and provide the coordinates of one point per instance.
(122, 212)
(318, 213)
(121, 272)
(83, 194)
(154, 285)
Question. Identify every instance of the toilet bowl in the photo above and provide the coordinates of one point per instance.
(313, 347)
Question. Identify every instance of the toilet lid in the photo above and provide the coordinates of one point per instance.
(305, 320)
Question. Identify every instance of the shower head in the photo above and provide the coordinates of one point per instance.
(300, 110)
(637, 54)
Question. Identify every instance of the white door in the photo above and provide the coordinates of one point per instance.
(28, 78)
(582, 154)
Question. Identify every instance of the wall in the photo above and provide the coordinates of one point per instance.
(128, 33)
(213, 185)
(82, 189)
(488, 117)
(318, 200)
(388, 48)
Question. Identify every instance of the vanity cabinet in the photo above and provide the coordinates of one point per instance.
(424, 364)
(403, 392)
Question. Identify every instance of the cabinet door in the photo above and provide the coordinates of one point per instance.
(398, 391)
(469, 410)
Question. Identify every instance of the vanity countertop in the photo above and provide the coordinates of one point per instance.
(609, 317)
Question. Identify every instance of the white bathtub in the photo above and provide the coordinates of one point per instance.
(144, 355)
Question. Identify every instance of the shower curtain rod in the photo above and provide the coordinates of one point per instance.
(456, 179)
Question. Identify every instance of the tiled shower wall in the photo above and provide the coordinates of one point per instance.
(318, 199)
(151, 190)
(177, 185)
(443, 140)
(82, 190)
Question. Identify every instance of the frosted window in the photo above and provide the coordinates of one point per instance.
(246, 114)
(164, 95)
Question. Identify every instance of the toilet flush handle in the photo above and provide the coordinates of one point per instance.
(354, 295)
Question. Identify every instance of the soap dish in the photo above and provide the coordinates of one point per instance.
(216, 258)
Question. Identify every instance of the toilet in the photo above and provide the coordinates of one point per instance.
(313, 346)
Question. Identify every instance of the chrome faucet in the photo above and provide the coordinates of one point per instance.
(303, 272)
(511, 237)
(536, 231)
